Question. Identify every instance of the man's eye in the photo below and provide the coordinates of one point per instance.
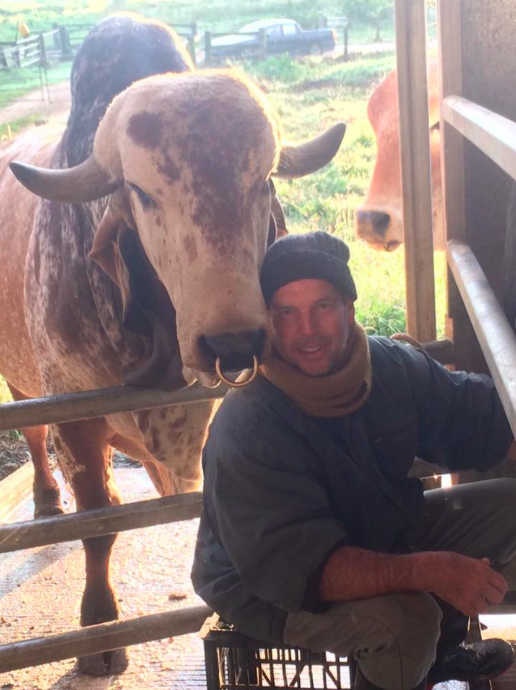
(145, 200)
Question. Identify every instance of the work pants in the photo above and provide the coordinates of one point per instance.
(394, 637)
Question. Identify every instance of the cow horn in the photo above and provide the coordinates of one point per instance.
(296, 161)
(85, 182)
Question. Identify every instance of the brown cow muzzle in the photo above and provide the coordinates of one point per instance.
(372, 223)
(235, 350)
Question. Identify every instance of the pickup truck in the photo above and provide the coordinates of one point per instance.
(282, 36)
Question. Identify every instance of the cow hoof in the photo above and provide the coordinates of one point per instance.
(47, 508)
(104, 664)
(47, 501)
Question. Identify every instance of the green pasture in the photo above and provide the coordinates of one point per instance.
(312, 94)
(212, 15)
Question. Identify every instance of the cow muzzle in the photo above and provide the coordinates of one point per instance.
(235, 351)
(376, 227)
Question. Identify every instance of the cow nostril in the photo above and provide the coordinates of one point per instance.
(378, 220)
(235, 350)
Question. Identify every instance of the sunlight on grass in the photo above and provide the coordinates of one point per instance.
(5, 394)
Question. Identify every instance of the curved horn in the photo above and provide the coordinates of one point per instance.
(296, 161)
(85, 182)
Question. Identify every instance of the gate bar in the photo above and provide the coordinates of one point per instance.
(69, 407)
(496, 337)
(493, 134)
(99, 522)
(102, 638)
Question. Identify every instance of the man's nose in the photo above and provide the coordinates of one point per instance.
(307, 323)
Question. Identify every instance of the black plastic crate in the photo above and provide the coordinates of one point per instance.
(235, 662)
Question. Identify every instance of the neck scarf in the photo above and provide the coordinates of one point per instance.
(334, 395)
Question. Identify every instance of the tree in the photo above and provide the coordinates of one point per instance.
(374, 12)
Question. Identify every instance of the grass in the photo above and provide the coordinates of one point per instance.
(312, 94)
(14, 83)
(213, 15)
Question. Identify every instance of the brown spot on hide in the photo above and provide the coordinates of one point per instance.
(190, 248)
(218, 162)
(169, 169)
(146, 129)
(143, 421)
(158, 221)
(156, 443)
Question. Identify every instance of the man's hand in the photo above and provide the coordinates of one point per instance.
(468, 584)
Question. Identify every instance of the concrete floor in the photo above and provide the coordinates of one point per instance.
(40, 593)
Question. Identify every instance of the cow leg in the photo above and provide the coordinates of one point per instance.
(47, 500)
(85, 456)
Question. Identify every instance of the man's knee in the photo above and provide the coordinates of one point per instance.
(405, 644)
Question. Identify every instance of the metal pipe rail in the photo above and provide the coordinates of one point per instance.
(101, 638)
(69, 407)
(495, 335)
(493, 134)
(99, 522)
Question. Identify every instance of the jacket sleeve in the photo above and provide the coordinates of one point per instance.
(462, 424)
(269, 509)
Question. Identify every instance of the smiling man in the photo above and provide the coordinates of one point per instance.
(312, 532)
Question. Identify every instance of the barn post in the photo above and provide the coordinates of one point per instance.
(415, 167)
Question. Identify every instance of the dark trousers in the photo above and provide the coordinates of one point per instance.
(395, 638)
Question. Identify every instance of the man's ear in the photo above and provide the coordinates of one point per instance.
(351, 314)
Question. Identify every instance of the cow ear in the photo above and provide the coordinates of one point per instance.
(116, 217)
(279, 217)
(136, 282)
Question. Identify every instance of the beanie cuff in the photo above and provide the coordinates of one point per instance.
(301, 265)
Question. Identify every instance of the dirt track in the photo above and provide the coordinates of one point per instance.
(54, 102)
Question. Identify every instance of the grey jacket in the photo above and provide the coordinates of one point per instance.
(283, 489)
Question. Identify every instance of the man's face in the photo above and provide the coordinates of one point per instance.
(311, 322)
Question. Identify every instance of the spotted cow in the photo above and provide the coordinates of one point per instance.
(378, 219)
(140, 264)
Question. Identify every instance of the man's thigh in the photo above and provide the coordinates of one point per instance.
(392, 637)
(477, 520)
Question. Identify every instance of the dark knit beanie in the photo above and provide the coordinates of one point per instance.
(314, 255)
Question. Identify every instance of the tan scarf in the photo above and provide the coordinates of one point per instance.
(334, 395)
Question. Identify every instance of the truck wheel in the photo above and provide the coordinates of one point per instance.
(316, 49)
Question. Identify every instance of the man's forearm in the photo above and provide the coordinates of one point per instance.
(353, 573)
(468, 584)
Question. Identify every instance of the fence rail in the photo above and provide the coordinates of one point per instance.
(99, 522)
(493, 134)
(102, 638)
(69, 407)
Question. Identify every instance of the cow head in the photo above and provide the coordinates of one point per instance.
(187, 160)
(379, 219)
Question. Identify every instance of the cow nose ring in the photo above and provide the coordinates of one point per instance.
(237, 384)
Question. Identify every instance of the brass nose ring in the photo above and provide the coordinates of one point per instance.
(237, 384)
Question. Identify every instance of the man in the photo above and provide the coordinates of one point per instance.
(311, 533)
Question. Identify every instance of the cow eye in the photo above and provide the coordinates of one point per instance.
(145, 200)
